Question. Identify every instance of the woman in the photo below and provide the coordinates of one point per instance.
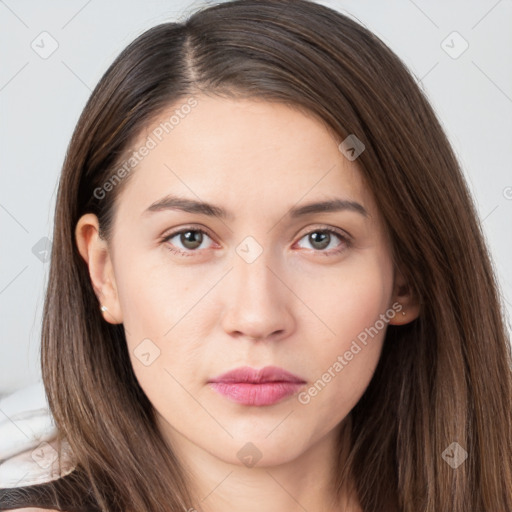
(331, 336)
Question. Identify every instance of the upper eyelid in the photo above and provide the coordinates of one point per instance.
(338, 231)
(172, 233)
(318, 227)
(344, 235)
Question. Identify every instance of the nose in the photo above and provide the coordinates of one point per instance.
(258, 304)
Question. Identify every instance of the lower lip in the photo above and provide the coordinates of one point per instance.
(266, 393)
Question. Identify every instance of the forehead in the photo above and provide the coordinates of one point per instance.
(243, 153)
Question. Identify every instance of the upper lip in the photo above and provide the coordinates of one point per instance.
(253, 375)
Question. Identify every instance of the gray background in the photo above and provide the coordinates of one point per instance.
(42, 95)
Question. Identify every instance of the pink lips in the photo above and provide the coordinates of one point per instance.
(249, 386)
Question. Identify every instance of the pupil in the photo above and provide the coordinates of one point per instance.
(324, 242)
(192, 239)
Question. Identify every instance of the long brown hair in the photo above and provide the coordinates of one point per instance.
(443, 378)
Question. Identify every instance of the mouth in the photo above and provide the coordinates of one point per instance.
(249, 386)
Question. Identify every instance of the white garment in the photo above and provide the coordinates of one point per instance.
(28, 448)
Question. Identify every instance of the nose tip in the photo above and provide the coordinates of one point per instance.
(259, 304)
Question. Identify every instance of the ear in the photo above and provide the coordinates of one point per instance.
(95, 251)
(403, 295)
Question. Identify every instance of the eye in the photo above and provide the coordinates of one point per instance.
(320, 239)
(191, 239)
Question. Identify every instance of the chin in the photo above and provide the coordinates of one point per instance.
(257, 451)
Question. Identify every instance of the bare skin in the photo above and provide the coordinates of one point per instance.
(208, 310)
(36, 510)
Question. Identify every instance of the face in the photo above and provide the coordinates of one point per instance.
(267, 283)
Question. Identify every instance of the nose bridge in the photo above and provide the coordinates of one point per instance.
(259, 304)
(252, 264)
(255, 276)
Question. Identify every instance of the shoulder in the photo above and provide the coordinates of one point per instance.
(36, 510)
(44, 463)
(31, 479)
(45, 478)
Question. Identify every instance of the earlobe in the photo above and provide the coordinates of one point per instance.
(95, 252)
(404, 302)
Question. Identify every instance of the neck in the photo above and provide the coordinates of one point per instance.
(302, 484)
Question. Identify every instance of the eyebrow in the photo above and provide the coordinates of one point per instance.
(171, 202)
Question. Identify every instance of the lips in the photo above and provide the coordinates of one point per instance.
(249, 386)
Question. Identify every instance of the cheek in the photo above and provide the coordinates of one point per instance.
(356, 308)
(153, 295)
(352, 299)
(159, 308)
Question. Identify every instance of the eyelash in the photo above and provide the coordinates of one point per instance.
(333, 252)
